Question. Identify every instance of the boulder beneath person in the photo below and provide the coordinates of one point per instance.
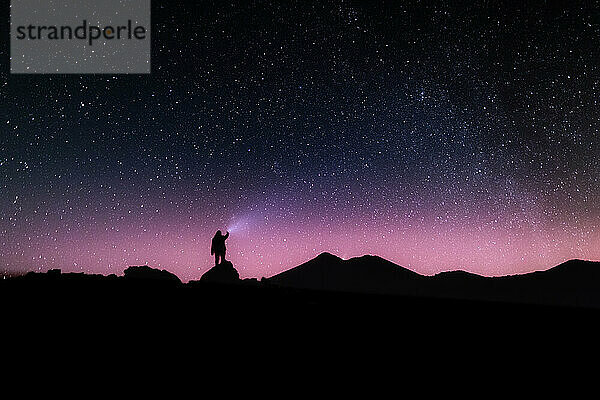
(221, 273)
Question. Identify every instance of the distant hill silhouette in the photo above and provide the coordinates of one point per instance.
(368, 273)
(145, 274)
(573, 283)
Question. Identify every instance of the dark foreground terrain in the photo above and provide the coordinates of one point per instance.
(328, 307)
(148, 321)
(326, 292)
(306, 329)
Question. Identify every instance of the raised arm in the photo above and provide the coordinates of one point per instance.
(226, 236)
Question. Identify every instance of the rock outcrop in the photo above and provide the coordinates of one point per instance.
(222, 273)
(144, 273)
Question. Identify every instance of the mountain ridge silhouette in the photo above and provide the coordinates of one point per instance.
(572, 283)
(329, 272)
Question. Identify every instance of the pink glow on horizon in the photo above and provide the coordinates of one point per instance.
(262, 252)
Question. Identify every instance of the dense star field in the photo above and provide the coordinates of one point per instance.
(437, 136)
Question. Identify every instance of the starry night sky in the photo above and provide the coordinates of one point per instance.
(437, 136)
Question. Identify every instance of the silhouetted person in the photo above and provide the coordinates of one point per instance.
(218, 246)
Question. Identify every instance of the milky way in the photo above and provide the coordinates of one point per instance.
(439, 137)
